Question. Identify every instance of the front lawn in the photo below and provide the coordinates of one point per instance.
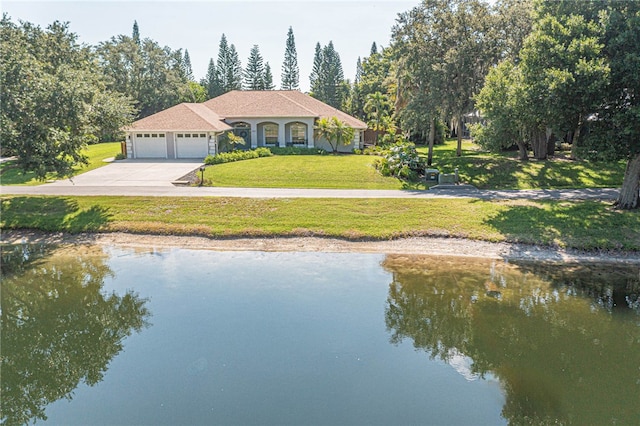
(583, 225)
(10, 174)
(504, 171)
(304, 171)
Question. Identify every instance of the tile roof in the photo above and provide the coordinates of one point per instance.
(276, 103)
(209, 116)
(183, 116)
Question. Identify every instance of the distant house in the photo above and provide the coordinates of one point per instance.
(263, 118)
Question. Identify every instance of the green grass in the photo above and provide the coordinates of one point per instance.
(10, 174)
(504, 171)
(583, 225)
(302, 171)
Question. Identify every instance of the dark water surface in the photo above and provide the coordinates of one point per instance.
(124, 336)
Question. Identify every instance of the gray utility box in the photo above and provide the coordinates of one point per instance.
(447, 179)
(431, 175)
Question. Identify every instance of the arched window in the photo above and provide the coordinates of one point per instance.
(270, 133)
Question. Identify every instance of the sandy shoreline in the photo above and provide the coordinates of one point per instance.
(420, 246)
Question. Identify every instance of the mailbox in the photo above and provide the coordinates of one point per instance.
(431, 175)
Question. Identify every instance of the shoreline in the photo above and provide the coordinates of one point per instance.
(429, 246)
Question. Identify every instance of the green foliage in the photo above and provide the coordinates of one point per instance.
(54, 100)
(327, 77)
(334, 131)
(120, 156)
(401, 160)
(294, 150)
(290, 71)
(229, 157)
(254, 72)
(228, 67)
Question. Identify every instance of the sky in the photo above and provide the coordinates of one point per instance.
(198, 25)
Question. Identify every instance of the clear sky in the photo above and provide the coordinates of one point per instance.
(197, 26)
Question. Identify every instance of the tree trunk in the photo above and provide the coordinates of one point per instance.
(432, 138)
(539, 144)
(630, 191)
(522, 151)
(459, 134)
(574, 142)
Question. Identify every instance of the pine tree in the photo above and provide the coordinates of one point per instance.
(235, 70)
(374, 49)
(229, 68)
(290, 71)
(317, 68)
(268, 78)
(358, 71)
(211, 82)
(223, 64)
(254, 73)
(136, 33)
(327, 76)
(186, 63)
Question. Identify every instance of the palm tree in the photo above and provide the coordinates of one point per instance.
(334, 131)
(377, 107)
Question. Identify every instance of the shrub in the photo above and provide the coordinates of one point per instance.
(294, 150)
(401, 160)
(120, 156)
(357, 151)
(229, 157)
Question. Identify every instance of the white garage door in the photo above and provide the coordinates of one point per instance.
(192, 145)
(150, 145)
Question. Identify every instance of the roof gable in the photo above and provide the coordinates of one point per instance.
(185, 116)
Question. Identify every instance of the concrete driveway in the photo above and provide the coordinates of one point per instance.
(133, 173)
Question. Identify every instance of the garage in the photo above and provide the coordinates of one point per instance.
(150, 145)
(192, 145)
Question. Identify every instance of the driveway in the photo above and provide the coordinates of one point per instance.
(132, 173)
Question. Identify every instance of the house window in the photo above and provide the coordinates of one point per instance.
(154, 135)
(298, 133)
(187, 135)
(271, 133)
(161, 135)
(202, 135)
(180, 135)
(138, 135)
(146, 135)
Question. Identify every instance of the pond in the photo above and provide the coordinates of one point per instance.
(114, 335)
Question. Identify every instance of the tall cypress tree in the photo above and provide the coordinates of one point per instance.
(268, 78)
(317, 69)
(254, 73)
(290, 71)
(211, 82)
(186, 63)
(234, 71)
(136, 33)
(327, 78)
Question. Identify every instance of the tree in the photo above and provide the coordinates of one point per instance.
(445, 48)
(135, 35)
(268, 78)
(374, 49)
(54, 100)
(334, 131)
(229, 67)
(211, 82)
(378, 111)
(290, 71)
(59, 327)
(254, 73)
(186, 63)
(327, 77)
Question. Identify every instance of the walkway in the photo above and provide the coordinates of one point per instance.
(607, 194)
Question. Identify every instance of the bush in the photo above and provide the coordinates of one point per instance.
(401, 160)
(229, 157)
(120, 156)
(294, 150)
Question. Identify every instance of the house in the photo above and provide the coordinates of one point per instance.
(268, 118)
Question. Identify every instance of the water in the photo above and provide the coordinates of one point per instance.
(123, 336)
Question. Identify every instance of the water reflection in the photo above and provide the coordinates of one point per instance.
(560, 358)
(58, 327)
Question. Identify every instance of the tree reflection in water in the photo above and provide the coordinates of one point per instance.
(58, 327)
(564, 340)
